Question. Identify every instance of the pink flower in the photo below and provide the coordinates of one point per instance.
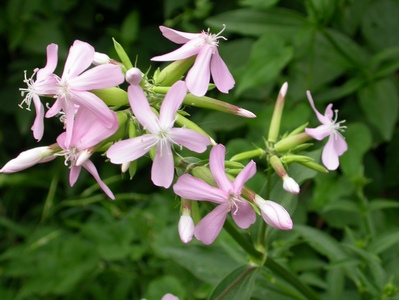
(45, 85)
(336, 144)
(169, 297)
(162, 134)
(87, 132)
(227, 195)
(207, 62)
(274, 214)
(74, 85)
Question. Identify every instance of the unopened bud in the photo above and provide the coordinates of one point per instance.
(278, 166)
(274, 214)
(101, 59)
(290, 185)
(186, 226)
(277, 113)
(291, 142)
(134, 76)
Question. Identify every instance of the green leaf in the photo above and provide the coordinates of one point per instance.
(379, 101)
(269, 56)
(383, 242)
(378, 204)
(261, 4)
(238, 285)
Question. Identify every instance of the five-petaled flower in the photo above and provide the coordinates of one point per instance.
(161, 134)
(88, 131)
(207, 62)
(336, 144)
(75, 83)
(227, 195)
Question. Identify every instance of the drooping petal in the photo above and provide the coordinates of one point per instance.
(178, 37)
(319, 132)
(340, 144)
(221, 75)
(54, 109)
(99, 77)
(89, 166)
(171, 103)
(245, 215)
(216, 164)
(95, 105)
(329, 112)
(189, 49)
(329, 155)
(190, 139)
(209, 227)
(80, 57)
(163, 168)
(74, 174)
(198, 77)
(192, 188)
(52, 59)
(320, 117)
(131, 149)
(244, 176)
(141, 109)
(38, 124)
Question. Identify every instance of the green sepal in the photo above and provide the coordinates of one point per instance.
(173, 72)
(122, 56)
(132, 169)
(298, 130)
(112, 96)
(259, 152)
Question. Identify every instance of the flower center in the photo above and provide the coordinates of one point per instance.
(337, 127)
(212, 39)
(233, 201)
(70, 155)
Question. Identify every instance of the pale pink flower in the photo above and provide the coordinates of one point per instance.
(186, 227)
(75, 83)
(290, 185)
(162, 134)
(28, 159)
(274, 214)
(207, 62)
(44, 85)
(87, 132)
(336, 144)
(169, 297)
(227, 195)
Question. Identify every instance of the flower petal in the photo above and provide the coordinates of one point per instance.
(245, 215)
(244, 176)
(99, 77)
(74, 174)
(216, 164)
(221, 75)
(52, 59)
(340, 144)
(89, 166)
(322, 119)
(319, 132)
(163, 168)
(131, 149)
(173, 99)
(330, 155)
(198, 77)
(178, 37)
(192, 188)
(38, 123)
(141, 109)
(80, 57)
(189, 49)
(209, 227)
(190, 139)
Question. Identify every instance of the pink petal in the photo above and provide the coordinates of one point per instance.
(163, 167)
(54, 109)
(322, 119)
(141, 109)
(70, 121)
(329, 112)
(340, 144)
(27, 159)
(80, 57)
(198, 77)
(89, 166)
(329, 155)
(319, 132)
(131, 149)
(171, 103)
(192, 188)
(176, 36)
(38, 124)
(190, 139)
(209, 227)
(189, 49)
(99, 77)
(245, 215)
(52, 59)
(74, 174)
(275, 215)
(221, 75)
(244, 176)
(169, 297)
(216, 164)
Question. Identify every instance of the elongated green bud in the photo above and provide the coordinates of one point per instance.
(276, 118)
(298, 129)
(277, 166)
(122, 56)
(205, 174)
(291, 142)
(173, 72)
(249, 154)
(314, 166)
(112, 96)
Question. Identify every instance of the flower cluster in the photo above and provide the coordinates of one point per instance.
(148, 119)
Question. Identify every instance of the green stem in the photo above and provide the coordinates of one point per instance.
(289, 277)
(369, 224)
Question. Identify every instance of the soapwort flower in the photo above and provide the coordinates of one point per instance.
(88, 131)
(44, 85)
(75, 83)
(161, 134)
(336, 144)
(207, 62)
(227, 195)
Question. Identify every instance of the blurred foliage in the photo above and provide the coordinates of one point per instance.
(73, 243)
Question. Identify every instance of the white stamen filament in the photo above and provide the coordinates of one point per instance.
(29, 90)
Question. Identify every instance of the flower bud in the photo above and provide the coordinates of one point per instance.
(173, 72)
(290, 185)
(291, 142)
(274, 214)
(169, 297)
(278, 166)
(28, 159)
(186, 226)
(101, 59)
(277, 113)
(134, 76)
(125, 166)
